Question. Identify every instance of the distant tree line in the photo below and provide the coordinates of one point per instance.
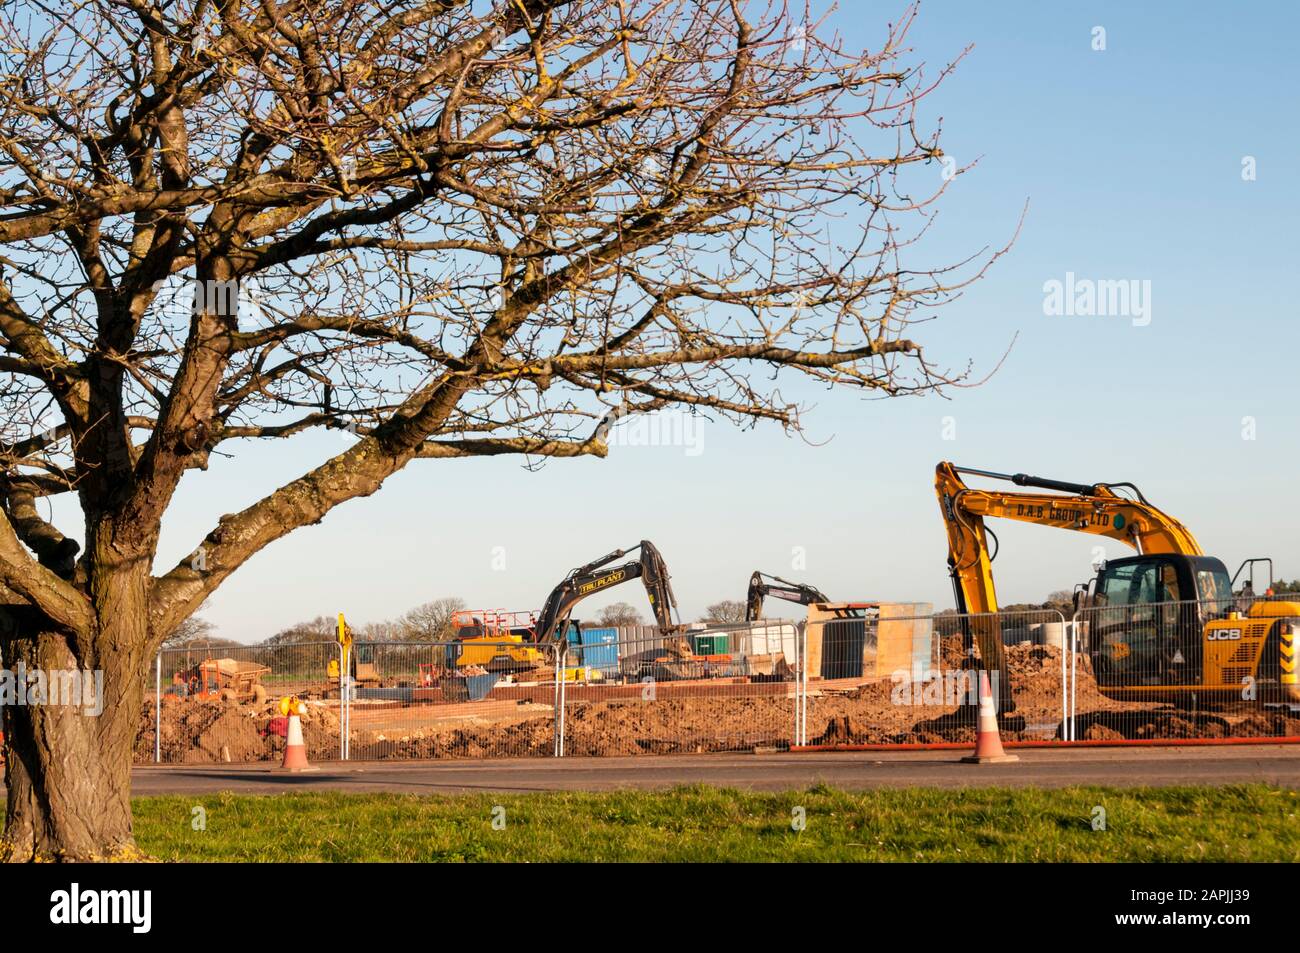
(427, 622)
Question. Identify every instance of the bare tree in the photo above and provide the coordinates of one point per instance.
(443, 229)
(323, 628)
(431, 621)
(1060, 598)
(726, 611)
(620, 613)
(193, 629)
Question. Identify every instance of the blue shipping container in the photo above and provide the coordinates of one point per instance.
(598, 649)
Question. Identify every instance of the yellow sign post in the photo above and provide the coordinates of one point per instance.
(345, 640)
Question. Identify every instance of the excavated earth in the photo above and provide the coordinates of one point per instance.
(729, 720)
(205, 732)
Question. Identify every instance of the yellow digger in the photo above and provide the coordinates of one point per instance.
(1165, 625)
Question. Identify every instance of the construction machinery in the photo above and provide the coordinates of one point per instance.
(495, 639)
(597, 576)
(227, 679)
(509, 641)
(1176, 632)
(762, 585)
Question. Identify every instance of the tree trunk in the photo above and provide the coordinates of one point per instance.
(68, 768)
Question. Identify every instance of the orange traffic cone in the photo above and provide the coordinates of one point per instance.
(988, 743)
(295, 750)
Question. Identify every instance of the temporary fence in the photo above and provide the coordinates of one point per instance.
(1207, 669)
(890, 679)
(453, 699)
(723, 688)
(217, 704)
(1165, 671)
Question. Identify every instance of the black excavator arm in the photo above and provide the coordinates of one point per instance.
(598, 575)
(760, 588)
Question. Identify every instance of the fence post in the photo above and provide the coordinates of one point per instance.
(1074, 671)
(803, 684)
(1066, 638)
(345, 705)
(558, 661)
(564, 690)
(157, 707)
(798, 682)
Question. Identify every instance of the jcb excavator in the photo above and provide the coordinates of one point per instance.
(760, 588)
(1179, 636)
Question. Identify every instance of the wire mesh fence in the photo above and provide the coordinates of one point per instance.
(218, 705)
(1154, 671)
(479, 698)
(1222, 668)
(891, 679)
(720, 688)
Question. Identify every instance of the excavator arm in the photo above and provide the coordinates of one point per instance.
(760, 588)
(1086, 508)
(598, 575)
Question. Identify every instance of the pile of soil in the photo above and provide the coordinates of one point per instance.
(608, 729)
(195, 731)
(1173, 724)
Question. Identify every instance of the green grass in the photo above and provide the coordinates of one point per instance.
(1253, 822)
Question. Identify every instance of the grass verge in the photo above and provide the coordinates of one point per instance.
(1241, 823)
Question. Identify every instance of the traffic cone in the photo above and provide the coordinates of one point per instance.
(988, 743)
(295, 751)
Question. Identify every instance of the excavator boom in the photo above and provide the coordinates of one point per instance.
(598, 575)
(1091, 508)
(1086, 508)
(760, 587)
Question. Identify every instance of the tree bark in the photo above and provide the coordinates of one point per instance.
(68, 769)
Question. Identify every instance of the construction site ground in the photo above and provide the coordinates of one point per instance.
(713, 715)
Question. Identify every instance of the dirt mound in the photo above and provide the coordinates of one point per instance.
(1161, 723)
(195, 731)
(951, 652)
(608, 729)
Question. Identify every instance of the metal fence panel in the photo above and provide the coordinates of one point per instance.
(734, 691)
(913, 679)
(218, 705)
(1165, 671)
(1191, 669)
(486, 699)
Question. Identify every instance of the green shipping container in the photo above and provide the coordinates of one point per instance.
(714, 644)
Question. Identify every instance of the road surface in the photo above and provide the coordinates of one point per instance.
(1038, 767)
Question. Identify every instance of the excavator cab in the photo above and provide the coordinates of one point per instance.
(1164, 577)
(1162, 603)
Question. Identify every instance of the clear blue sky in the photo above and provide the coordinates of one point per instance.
(1131, 162)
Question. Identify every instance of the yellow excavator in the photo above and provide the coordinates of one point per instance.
(1177, 632)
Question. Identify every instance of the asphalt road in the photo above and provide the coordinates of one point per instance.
(1038, 767)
